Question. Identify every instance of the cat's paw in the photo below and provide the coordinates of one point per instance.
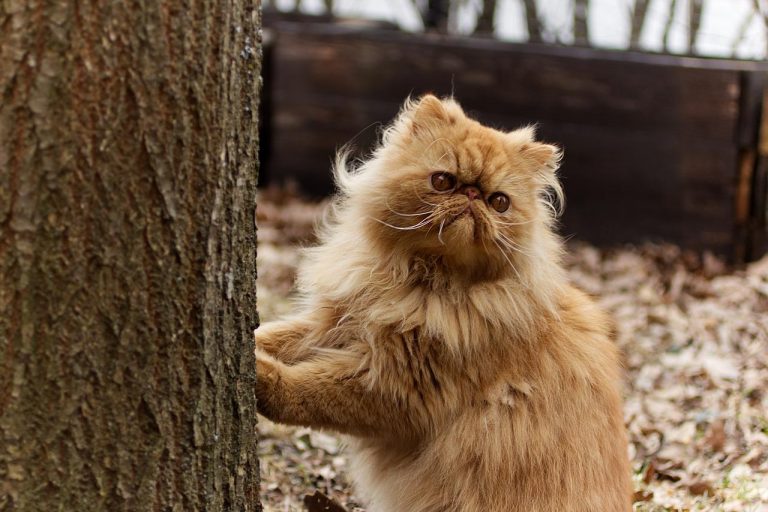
(268, 384)
(261, 337)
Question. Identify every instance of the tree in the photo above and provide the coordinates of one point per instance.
(436, 15)
(666, 37)
(639, 13)
(695, 10)
(532, 21)
(580, 20)
(128, 167)
(486, 20)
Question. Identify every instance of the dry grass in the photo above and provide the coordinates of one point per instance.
(695, 338)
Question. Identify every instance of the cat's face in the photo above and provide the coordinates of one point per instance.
(448, 186)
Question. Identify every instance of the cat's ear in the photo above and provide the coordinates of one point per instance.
(542, 156)
(427, 113)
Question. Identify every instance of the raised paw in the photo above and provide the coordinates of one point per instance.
(268, 384)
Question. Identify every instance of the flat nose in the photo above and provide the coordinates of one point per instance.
(470, 191)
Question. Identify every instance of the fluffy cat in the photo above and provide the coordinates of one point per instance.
(437, 328)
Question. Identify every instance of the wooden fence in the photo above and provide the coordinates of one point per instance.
(657, 147)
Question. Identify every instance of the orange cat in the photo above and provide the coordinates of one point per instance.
(439, 330)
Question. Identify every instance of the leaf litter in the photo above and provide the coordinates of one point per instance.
(694, 333)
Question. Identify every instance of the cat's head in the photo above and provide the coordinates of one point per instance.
(442, 185)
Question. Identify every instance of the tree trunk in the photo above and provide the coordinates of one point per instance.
(486, 21)
(695, 10)
(128, 169)
(580, 22)
(639, 13)
(532, 21)
(666, 37)
(436, 17)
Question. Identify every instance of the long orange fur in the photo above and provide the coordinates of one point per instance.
(447, 341)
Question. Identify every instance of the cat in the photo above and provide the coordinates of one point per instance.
(437, 328)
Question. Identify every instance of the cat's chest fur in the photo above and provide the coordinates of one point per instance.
(456, 349)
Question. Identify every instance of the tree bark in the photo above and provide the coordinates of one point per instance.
(128, 169)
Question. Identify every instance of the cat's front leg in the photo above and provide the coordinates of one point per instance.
(332, 393)
(284, 340)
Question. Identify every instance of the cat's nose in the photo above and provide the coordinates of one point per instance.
(471, 192)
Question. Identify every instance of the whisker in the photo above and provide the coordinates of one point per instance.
(440, 159)
(512, 245)
(420, 163)
(508, 260)
(417, 214)
(513, 223)
(418, 225)
(422, 199)
(440, 232)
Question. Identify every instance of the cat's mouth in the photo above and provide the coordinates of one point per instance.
(465, 212)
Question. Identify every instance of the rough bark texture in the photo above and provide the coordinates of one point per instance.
(128, 145)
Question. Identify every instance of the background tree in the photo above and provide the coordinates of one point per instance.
(581, 22)
(486, 20)
(695, 11)
(637, 21)
(532, 21)
(128, 168)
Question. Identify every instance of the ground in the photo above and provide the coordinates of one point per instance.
(694, 333)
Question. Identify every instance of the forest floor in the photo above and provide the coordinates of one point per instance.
(694, 333)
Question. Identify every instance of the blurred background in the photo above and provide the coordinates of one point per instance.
(657, 103)
(659, 106)
(713, 28)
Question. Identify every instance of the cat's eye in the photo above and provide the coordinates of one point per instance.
(499, 202)
(443, 181)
